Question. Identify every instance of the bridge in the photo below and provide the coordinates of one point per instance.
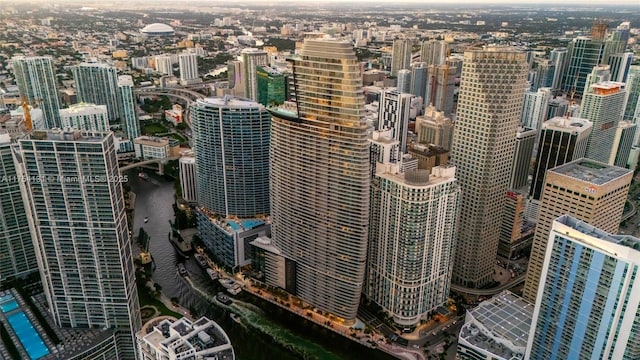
(161, 162)
(488, 292)
(188, 96)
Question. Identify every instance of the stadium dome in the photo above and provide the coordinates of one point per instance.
(158, 29)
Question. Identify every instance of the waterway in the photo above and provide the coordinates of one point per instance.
(263, 333)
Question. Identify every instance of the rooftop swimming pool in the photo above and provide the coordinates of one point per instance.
(8, 306)
(28, 336)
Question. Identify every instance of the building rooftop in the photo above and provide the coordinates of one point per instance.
(628, 241)
(500, 326)
(591, 171)
(564, 123)
(229, 101)
(151, 141)
(67, 135)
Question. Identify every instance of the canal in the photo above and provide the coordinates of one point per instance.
(264, 332)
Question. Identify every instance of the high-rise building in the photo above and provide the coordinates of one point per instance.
(525, 139)
(251, 59)
(188, 68)
(534, 108)
(616, 41)
(620, 64)
(584, 54)
(479, 337)
(491, 91)
(188, 179)
(97, 83)
(411, 239)
(557, 106)
(320, 180)
(603, 106)
(516, 233)
(591, 191)
(77, 217)
(434, 128)
(393, 113)
(83, 116)
(440, 88)
(589, 295)
(562, 140)
(271, 86)
(164, 64)
(632, 107)
(18, 258)
(434, 52)
(559, 58)
(231, 142)
(598, 74)
(37, 84)
(622, 143)
(418, 79)
(401, 57)
(129, 112)
(404, 81)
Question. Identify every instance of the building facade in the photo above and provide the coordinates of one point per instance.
(591, 191)
(622, 143)
(188, 179)
(151, 147)
(97, 83)
(482, 152)
(129, 112)
(434, 128)
(434, 52)
(440, 87)
(589, 295)
(525, 140)
(271, 86)
(84, 116)
(37, 84)
(401, 57)
(393, 113)
(320, 180)
(251, 59)
(188, 64)
(77, 217)
(534, 108)
(583, 55)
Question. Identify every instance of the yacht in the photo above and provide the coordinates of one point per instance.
(182, 270)
(146, 220)
(212, 274)
(201, 260)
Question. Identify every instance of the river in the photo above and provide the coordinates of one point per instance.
(264, 333)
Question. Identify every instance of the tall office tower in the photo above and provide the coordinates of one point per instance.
(83, 116)
(318, 151)
(188, 68)
(129, 112)
(231, 142)
(559, 59)
(491, 91)
(441, 80)
(534, 108)
(404, 81)
(393, 114)
(589, 296)
(434, 52)
(18, 258)
(603, 106)
(37, 83)
(271, 86)
(591, 191)
(583, 55)
(251, 59)
(401, 57)
(411, 240)
(516, 234)
(188, 179)
(620, 64)
(562, 140)
(164, 64)
(557, 106)
(434, 128)
(544, 73)
(236, 78)
(97, 83)
(598, 74)
(525, 140)
(617, 40)
(632, 102)
(418, 79)
(622, 143)
(77, 217)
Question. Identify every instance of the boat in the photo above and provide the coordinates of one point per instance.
(182, 247)
(212, 274)
(235, 317)
(146, 220)
(235, 290)
(223, 298)
(201, 261)
(143, 176)
(182, 270)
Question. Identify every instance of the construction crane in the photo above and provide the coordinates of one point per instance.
(27, 113)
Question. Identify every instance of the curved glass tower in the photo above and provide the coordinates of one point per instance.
(320, 179)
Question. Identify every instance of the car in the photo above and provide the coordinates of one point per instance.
(416, 346)
(454, 322)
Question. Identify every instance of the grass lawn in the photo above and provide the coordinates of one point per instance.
(147, 299)
(178, 137)
(154, 128)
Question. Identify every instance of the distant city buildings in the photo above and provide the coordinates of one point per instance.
(188, 68)
(79, 187)
(37, 84)
(401, 57)
(495, 78)
(589, 295)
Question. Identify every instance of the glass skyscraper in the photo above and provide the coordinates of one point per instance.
(77, 217)
(588, 302)
(37, 83)
(129, 113)
(97, 83)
